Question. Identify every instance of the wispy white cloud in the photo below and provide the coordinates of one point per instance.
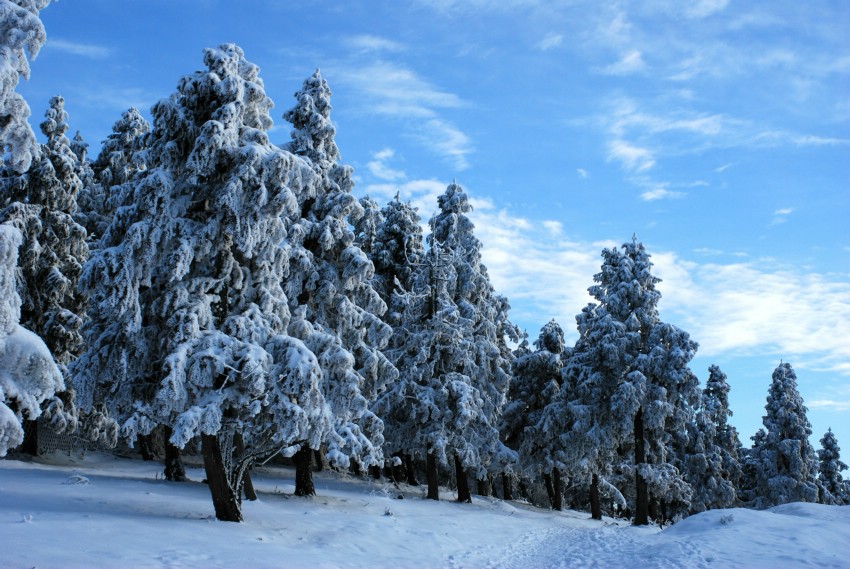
(399, 93)
(660, 194)
(75, 48)
(379, 169)
(631, 62)
(784, 211)
(554, 227)
(631, 156)
(549, 42)
(781, 215)
(370, 43)
(582, 173)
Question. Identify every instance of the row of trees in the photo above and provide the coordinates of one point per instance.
(199, 280)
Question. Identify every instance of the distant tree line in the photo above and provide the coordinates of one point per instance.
(197, 280)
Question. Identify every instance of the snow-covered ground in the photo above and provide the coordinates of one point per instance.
(103, 511)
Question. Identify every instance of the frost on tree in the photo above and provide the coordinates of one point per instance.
(787, 465)
(631, 380)
(114, 172)
(22, 32)
(536, 381)
(710, 461)
(189, 318)
(454, 379)
(53, 252)
(833, 488)
(336, 310)
(29, 378)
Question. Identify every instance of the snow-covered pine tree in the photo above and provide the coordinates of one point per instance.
(536, 381)
(53, 252)
(115, 170)
(188, 316)
(336, 311)
(29, 378)
(833, 487)
(786, 459)
(366, 226)
(21, 32)
(711, 462)
(455, 373)
(633, 381)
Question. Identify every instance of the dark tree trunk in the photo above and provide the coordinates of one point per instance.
(247, 483)
(225, 498)
(507, 487)
(433, 481)
(410, 470)
(145, 445)
(174, 469)
(304, 472)
(354, 468)
(463, 493)
(30, 444)
(375, 472)
(595, 509)
(558, 502)
(550, 489)
(319, 460)
(484, 488)
(641, 491)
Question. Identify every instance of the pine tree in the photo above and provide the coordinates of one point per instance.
(114, 173)
(631, 382)
(21, 32)
(336, 311)
(787, 466)
(711, 461)
(834, 489)
(189, 319)
(52, 255)
(29, 378)
(455, 372)
(536, 381)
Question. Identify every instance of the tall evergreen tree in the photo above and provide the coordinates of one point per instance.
(336, 311)
(834, 489)
(29, 378)
(787, 466)
(189, 319)
(21, 31)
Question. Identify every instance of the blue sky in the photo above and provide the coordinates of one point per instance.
(716, 131)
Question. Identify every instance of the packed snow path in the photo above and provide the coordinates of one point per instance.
(109, 512)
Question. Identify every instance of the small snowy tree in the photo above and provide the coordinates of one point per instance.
(29, 377)
(21, 32)
(786, 459)
(336, 311)
(711, 460)
(114, 171)
(455, 373)
(189, 318)
(834, 489)
(536, 381)
(52, 254)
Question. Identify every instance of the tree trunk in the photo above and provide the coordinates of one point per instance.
(463, 493)
(225, 498)
(595, 509)
(319, 460)
(550, 489)
(507, 487)
(484, 488)
(641, 491)
(174, 469)
(247, 483)
(375, 472)
(433, 481)
(145, 447)
(558, 502)
(30, 443)
(304, 472)
(410, 470)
